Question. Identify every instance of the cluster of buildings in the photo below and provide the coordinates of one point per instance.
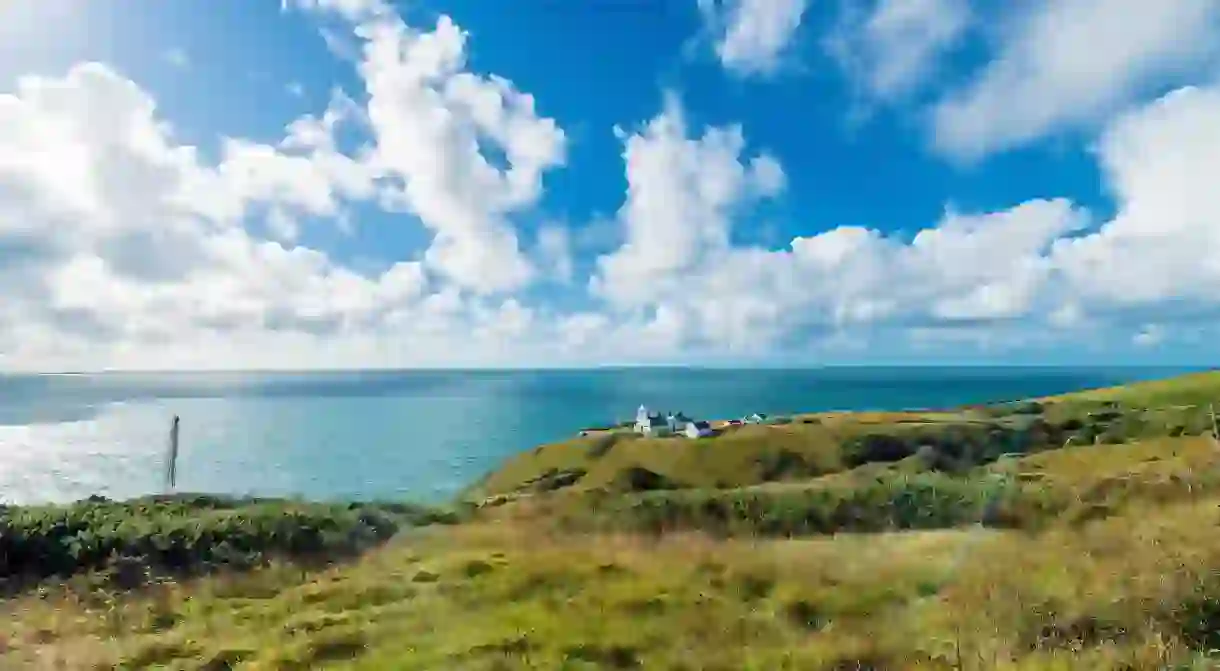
(658, 425)
(678, 424)
(671, 424)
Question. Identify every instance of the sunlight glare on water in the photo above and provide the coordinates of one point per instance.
(118, 453)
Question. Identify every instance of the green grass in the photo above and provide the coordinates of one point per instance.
(956, 540)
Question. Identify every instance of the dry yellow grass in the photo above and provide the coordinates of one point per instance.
(1182, 390)
(1133, 591)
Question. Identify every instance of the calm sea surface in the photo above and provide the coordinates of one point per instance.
(420, 435)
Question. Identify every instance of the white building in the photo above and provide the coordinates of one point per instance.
(648, 424)
(698, 429)
(674, 423)
(678, 422)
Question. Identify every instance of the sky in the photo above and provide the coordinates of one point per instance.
(299, 184)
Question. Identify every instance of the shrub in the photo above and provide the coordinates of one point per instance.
(640, 479)
(554, 479)
(785, 465)
(876, 447)
(1026, 408)
(1086, 435)
(954, 447)
(924, 501)
(190, 534)
(1071, 424)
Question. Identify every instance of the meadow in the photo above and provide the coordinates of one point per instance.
(1073, 532)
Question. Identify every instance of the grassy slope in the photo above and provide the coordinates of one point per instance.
(1133, 587)
(740, 457)
(729, 460)
(1195, 388)
(511, 592)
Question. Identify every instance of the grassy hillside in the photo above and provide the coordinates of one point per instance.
(821, 444)
(1134, 589)
(1193, 389)
(960, 541)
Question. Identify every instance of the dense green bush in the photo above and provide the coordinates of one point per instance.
(640, 479)
(923, 501)
(1072, 424)
(877, 447)
(1020, 408)
(191, 533)
(786, 465)
(554, 479)
(954, 447)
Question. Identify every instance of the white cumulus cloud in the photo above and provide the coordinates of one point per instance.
(1008, 276)
(120, 246)
(432, 123)
(892, 47)
(1068, 64)
(1162, 249)
(751, 37)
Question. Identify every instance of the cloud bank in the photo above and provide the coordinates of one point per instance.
(122, 247)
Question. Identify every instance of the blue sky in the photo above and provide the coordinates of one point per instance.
(789, 181)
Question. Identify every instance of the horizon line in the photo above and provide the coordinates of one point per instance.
(597, 367)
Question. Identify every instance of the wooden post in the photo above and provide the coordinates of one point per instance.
(171, 473)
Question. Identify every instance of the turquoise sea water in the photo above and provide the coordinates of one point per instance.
(422, 435)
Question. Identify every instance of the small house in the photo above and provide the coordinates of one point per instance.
(677, 422)
(698, 429)
(756, 418)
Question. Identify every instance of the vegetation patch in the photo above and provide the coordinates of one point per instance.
(924, 501)
(554, 479)
(129, 541)
(640, 479)
(605, 656)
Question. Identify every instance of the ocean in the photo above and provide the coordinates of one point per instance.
(421, 435)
